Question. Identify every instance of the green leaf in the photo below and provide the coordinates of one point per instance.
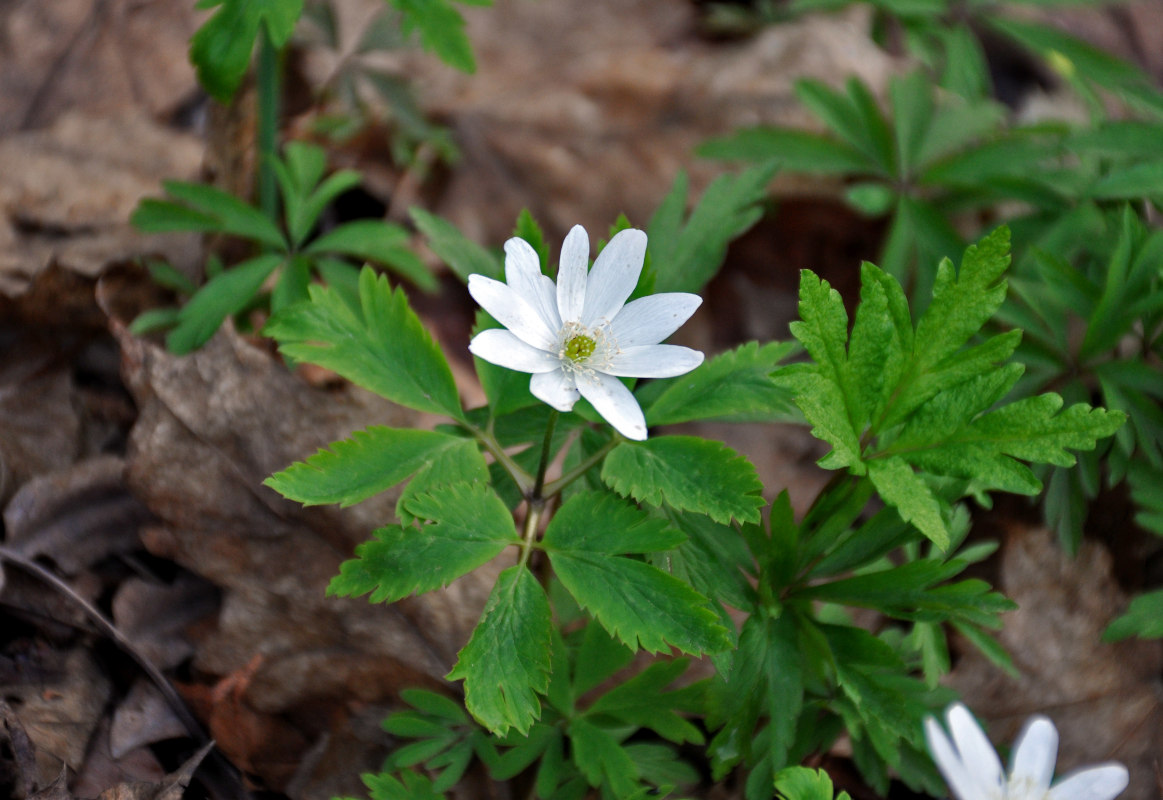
(220, 50)
(641, 701)
(224, 295)
(686, 473)
(462, 255)
(468, 526)
(206, 209)
(506, 662)
(1143, 618)
(825, 391)
(903, 489)
(415, 786)
(528, 229)
(457, 463)
(686, 257)
(802, 783)
(599, 522)
(639, 604)
(794, 151)
(153, 320)
(434, 705)
(600, 757)
(735, 386)
(382, 347)
(441, 30)
(378, 241)
(1131, 183)
(371, 461)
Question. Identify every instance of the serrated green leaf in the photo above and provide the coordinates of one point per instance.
(382, 347)
(639, 604)
(802, 783)
(686, 473)
(904, 490)
(506, 663)
(599, 522)
(366, 464)
(600, 757)
(460, 462)
(441, 30)
(467, 526)
(729, 206)
(462, 255)
(384, 786)
(378, 241)
(224, 295)
(735, 386)
(598, 657)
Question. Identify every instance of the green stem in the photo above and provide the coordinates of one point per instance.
(267, 79)
(543, 464)
(520, 477)
(555, 487)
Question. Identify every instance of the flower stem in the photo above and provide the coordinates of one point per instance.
(520, 477)
(543, 464)
(555, 487)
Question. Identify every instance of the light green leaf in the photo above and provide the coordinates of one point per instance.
(903, 489)
(686, 473)
(378, 241)
(735, 386)
(729, 206)
(468, 526)
(205, 208)
(441, 30)
(802, 783)
(224, 295)
(460, 462)
(382, 347)
(462, 255)
(363, 465)
(506, 663)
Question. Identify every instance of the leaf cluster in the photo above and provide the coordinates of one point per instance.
(590, 735)
(285, 257)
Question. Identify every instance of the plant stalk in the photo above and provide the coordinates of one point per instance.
(267, 90)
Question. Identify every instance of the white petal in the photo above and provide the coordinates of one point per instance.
(523, 274)
(556, 388)
(615, 403)
(654, 361)
(511, 310)
(571, 274)
(1032, 764)
(614, 276)
(980, 759)
(1103, 782)
(649, 320)
(503, 348)
(949, 762)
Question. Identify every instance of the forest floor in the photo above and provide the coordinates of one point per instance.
(140, 550)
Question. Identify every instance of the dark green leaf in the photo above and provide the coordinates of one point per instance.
(378, 241)
(686, 473)
(224, 295)
(462, 255)
(506, 662)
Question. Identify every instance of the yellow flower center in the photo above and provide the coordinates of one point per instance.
(579, 348)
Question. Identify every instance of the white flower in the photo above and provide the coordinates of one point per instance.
(578, 335)
(974, 772)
